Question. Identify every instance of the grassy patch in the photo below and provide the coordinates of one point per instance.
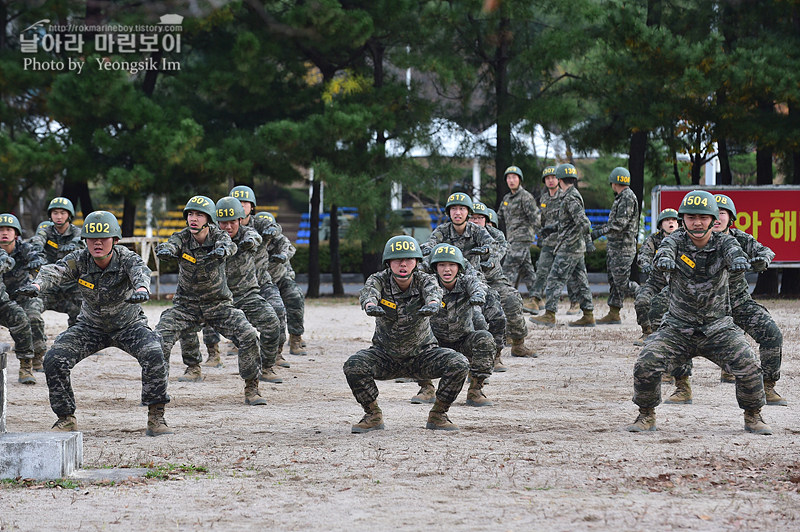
(59, 483)
(175, 471)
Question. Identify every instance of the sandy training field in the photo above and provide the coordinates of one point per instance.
(550, 455)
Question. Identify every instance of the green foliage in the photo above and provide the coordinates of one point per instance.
(349, 255)
(171, 471)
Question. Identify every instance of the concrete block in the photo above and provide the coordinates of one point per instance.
(40, 455)
(3, 387)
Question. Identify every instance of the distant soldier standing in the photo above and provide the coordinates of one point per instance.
(571, 227)
(402, 299)
(29, 338)
(113, 281)
(698, 322)
(54, 242)
(203, 295)
(621, 231)
(520, 215)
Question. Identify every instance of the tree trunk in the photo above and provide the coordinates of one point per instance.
(313, 242)
(372, 259)
(336, 266)
(502, 158)
(636, 159)
(128, 217)
(725, 176)
(78, 193)
(790, 283)
(696, 167)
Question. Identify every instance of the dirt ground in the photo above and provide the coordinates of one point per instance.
(551, 454)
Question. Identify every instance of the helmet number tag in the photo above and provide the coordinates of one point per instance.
(403, 245)
(688, 261)
(695, 200)
(98, 227)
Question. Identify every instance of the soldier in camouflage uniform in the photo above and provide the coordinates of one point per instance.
(242, 277)
(520, 215)
(621, 230)
(490, 317)
(649, 297)
(698, 322)
(549, 202)
(52, 243)
(26, 263)
(572, 228)
(402, 299)
(113, 281)
(203, 295)
(751, 317)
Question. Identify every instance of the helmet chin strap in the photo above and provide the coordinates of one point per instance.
(699, 234)
(403, 277)
(196, 230)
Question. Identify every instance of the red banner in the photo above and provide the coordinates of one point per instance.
(770, 213)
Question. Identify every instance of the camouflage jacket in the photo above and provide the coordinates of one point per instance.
(201, 278)
(279, 270)
(474, 236)
(402, 331)
(520, 214)
(21, 273)
(261, 254)
(454, 321)
(103, 292)
(699, 296)
(498, 250)
(649, 247)
(740, 290)
(573, 225)
(49, 243)
(241, 266)
(6, 265)
(621, 229)
(549, 207)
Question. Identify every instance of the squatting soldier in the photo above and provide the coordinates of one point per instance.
(26, 263)
(572, 227)
(453, 324)
(13, 317)
(240, 270)
(751, 317)
(621, 231)
(520, 215)
(203, 295)
(113, 282)
(549, 202)
(402, 299)
(54, 242)
(490, 317)
(698, 322)
(650, 300)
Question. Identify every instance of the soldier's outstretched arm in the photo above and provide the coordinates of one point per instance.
(431, 291)
(371, 292)
(437, 237)
(735, 257)
(224, 241)
(65, 270)
(138, 272)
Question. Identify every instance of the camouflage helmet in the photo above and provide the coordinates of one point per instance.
(548, 171)
(480, 209)
(493, 217)
(243, 193)
(9, 220)
(202, 204)
(61, 203)
(447, 253)
(620, 176)
(566, 170)
(229, 209)
(458, 198)
(267, 216)
(725, 202)
(513, 170)
(44, 225)
(100, 224)
(665, 215)
(401, 247)
(699, 202)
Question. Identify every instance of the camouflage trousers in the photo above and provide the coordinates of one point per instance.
(618, 264)
(13, 316)
(33, 308)
(491, 318)
(565, 265)
(479, 348)
(295, 304)
(726, 347)
(83, 339)
(272, 294)
(651, 307)
(260, 315)
(543, 266)
(224, 318)
(511, 301)
(518, 266)
(66, 300)
(756, 321)
(430, 362)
